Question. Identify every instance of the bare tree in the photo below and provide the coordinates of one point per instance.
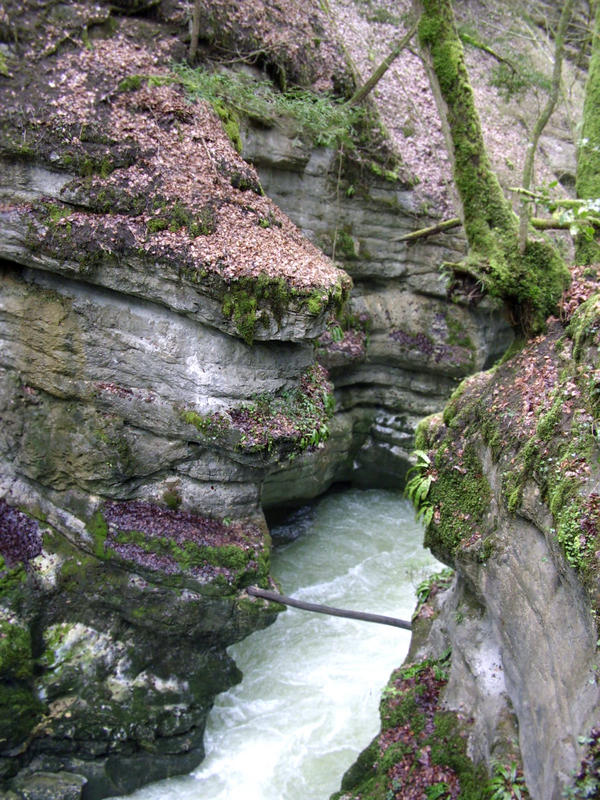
(542, 121)
(530, 282)
(588, 156)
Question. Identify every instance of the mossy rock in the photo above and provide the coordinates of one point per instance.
(20, 709)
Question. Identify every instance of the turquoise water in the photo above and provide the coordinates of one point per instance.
(309, 698)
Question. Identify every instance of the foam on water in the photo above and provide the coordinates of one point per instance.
(309, 698)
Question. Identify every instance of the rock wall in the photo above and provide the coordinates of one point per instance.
(513, 508)
(157, 313)
(165, 337)
(405, 346)
(523, 539)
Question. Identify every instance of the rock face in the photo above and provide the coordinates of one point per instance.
(156, 325)
(523, 538)
(403, 347)
(172, 349)
(511, 635)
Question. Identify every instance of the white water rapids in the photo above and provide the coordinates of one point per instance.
(308, 701)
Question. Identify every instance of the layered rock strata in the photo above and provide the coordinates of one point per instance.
(156, 318)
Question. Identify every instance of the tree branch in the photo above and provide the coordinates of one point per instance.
(539, 223)
(378, 74)
(430, 231)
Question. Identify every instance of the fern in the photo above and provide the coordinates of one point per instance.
(419, 480)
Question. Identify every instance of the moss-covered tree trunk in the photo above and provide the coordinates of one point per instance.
(530, 283)
(588, 156)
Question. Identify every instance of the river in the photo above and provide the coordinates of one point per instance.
(309, 698)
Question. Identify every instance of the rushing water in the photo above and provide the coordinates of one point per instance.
(309, 698)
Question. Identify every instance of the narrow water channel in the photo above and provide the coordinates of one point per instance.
(309, 698)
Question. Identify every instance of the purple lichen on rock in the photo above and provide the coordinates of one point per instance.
(20, 537)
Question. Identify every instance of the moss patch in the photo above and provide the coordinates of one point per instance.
(537, 415)
(588, 155)
(178, 544)
(460, 495)
(420, 747)
(251, 303)
(19, 707)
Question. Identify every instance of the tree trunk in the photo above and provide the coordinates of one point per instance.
(542, 120)
(195, 35)
(530, 283)
(588, 156)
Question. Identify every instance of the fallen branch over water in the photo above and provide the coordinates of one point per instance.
(254, 591)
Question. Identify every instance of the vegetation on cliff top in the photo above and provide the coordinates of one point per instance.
(530, 282)
(536, 414)
(190, 202)
(283, 424)
(421, 751)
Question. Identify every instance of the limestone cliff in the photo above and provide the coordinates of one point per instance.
(157, 317)
(172, 348)
(510, 481)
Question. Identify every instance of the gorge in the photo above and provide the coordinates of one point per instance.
(179, 358)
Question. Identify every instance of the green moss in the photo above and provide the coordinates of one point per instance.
(241, 308)
(584, 326)
(411, 721)
(315, 303)
(98, 528)
(212, 425)
(588, 155)
(530, 283)
(172, 499)
(345, 246)
(157, 224)
(449, 748)
(250, 302)
(231, 123)
(569, 535)
(15, 651)
(20, 710)
(362, 769)
(175, 217)
(131, 83)
(461, 496)
(381, 172)
(191, 555)
(11, 578)
(233, 94)
(548, 422)
(515, 347)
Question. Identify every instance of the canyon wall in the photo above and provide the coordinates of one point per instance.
(178, 354)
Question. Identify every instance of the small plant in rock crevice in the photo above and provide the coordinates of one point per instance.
(586, 782)
(420, 477)
(295, 419)
(507, 783)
